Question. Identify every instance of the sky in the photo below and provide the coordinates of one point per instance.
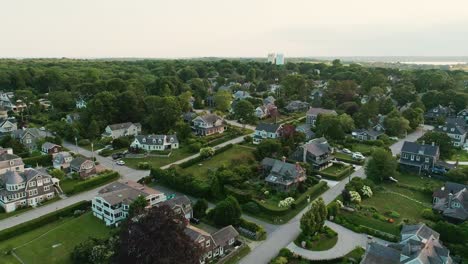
(236, 28)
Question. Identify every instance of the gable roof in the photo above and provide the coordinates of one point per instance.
(222, 236)
(156, 139)
(316, 111)
(457, 124)
(282, 172)
(420, 230)
(120, 126)
(125, 191)
(271, 128)
(380, 254)
(209, 118)
(318, 146)
(49, 145)
(78, 161)
(416, 148)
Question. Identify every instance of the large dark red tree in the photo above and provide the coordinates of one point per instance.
(157, 237)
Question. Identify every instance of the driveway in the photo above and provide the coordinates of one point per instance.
(288, 232)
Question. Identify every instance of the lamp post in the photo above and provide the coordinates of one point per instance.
(76, 144)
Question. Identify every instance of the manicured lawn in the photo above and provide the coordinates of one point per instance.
(418, 180)
(157, 162)
(228, 157)
(68, 184)
(460, 155)
(54, 242)
(321, 243)
(336, 171)
(347, 158)
(363, 148)
(239, 255)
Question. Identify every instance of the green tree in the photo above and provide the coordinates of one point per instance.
(314, 219)
(381, 165)
(346, 123)
(56, 173)
(137, 206)
(460, 175)
(395, 124)
(415, 117)
(244, 111)
(199, 208)
(439, 139)
(162, 113)
(295, 86)
(330, 127)
(227, 212)
(207, 152)
(222, 100)
(268, 148)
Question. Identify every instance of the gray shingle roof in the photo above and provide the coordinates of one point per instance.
(413, 147)
(48, 145)
(271, 128)
(222, 236)
(380, 254)
(120, 126)
(318, 146)
(156, 139)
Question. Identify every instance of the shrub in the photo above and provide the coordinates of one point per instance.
(248, 139)
(122, 142)
(393, 214)
(430, 215)
(144, 166)
(106, 152)
(253, 227)
(84, 142)
(43, 160)
(250, 207)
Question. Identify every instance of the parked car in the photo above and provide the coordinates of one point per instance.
(117, 156)
(393, 138)
(120, 162)
(358, 156)
(194, 220)
(439, 170)
(346, 151)
(318, 176)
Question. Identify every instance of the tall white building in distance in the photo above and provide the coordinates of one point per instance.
(276, 58)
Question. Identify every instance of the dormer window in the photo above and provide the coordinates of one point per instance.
(154, 140)
(452, 129)
(172, 140)
(144, 140)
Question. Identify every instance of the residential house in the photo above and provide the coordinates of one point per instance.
(313, 113)
(317, 152)
(44, 103)
(189, 116)
(208, 124)
(269, 100)
(438, 112)
(420, 157)
(264, 111)
(122, 130)
(84, 167)
(281, 175)
(62, 160)
(215, 245)
(306, 129)
(155, 142)
(297, 106)
(8, 125)
(50, 148)
(29, 137)
(265, 131)
(274, 88)
(241, 95)
(463, 114)
(180, 205)
(80, 103)
(418, 244)
(368, 134)
(73, 117)
(7, 102)
(451, 200)
(455, 129)
(25, 188)
(113, 201)
(316, 97)
(3, 113)
(10, 161)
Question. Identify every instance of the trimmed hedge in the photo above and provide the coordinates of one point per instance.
(94, 182)
(43, 220)
(43, 160)
(253, 227)
(241, 195)
(313, 192)
(350, 160)
(365, 229)
(339, 176)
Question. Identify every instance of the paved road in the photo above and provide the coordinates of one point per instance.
(288, 232)
(125, 172)
(396, 148)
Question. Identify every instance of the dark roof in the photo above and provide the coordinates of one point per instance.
(222, 236)
(449, 187)
(282, 172)
(420, 230)
(370, 132)
(272, 128)
(78, 161)
(380, 254)
(452, 126)
(48, 145)
(183, 201)
(210, 118)
(317, 111)
(318, 146)
(416, 148)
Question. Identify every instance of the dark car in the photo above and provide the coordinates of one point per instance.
(195, 221)
(117, 156)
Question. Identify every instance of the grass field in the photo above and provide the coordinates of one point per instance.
(157, 162)
(460, 155)
(235, 155)
(54, 242)
(363, 148)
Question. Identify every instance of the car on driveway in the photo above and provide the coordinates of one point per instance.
(118, 156)
(346, 151)
(120, 162)
(358, 156)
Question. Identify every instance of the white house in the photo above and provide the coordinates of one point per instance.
(208, 124)
(29, 188)
(8, 125)
(122, 130)
(113, 201)
(155, 142)
(80, 103)
(265, 130)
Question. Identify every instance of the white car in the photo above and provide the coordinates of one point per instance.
(346, 151)
(120, 162)
(358, 156)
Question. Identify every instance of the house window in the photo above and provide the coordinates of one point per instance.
(210, 254)
(208, 243)
(231, 241)
(427, 160)
(456, 204)
(46, 188)
(417, 158)
(32, 184)
(412, 157)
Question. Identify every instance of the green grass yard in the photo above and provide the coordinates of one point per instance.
(54, 242)
(157, 162)
(233, 155)
(363, 148)
(460, 155)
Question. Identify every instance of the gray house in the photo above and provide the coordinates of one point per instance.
(369, 134)
(317, 153)
(451, 200)
(313, 113)
(455, 129)
(418, 244)
(420, 157)
(281, 175)
(29, 137)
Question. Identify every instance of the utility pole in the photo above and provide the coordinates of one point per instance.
(92, 152)
(76, 144)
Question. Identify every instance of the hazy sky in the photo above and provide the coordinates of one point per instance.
(236, 28)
